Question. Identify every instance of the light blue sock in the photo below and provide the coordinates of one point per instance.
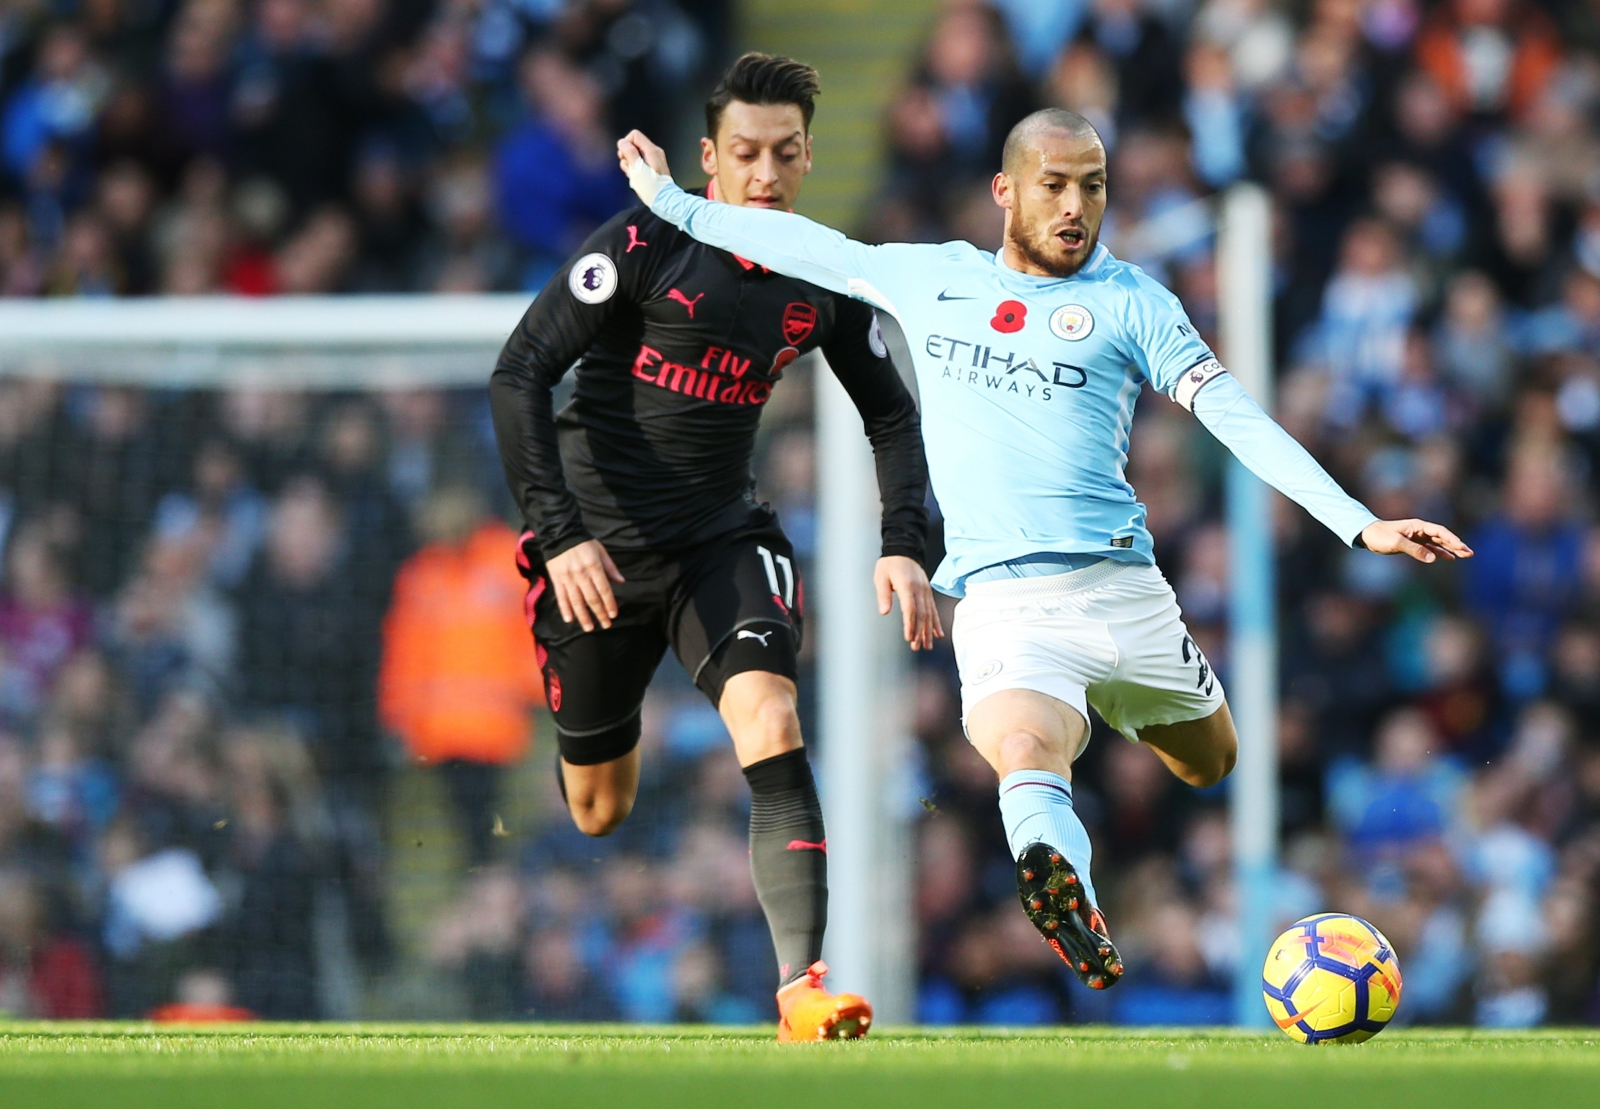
(1037, 805)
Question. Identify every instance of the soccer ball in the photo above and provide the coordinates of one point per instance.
(1331, 979)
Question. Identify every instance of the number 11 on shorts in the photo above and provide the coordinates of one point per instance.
(768, 559)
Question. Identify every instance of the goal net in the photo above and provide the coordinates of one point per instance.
(268, 738)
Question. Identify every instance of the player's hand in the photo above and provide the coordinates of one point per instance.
(897, 574)
(1421, 540)
(582, 577)
(644, 162)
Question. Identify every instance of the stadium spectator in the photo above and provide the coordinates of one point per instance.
(275, 830)
(1522, 36)
(42, 622)
(169, 629)
(459, 674)
(305, 653)
(970, 74)
(46, 975)
(555, 174)
(308, 656)
(52, 112)
(1527, 574)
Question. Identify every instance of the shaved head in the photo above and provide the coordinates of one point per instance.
(1046, 121)
(1052, 185)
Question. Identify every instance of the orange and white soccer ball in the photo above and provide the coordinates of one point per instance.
(1331, 979)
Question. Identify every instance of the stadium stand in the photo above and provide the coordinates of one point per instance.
(200, 801)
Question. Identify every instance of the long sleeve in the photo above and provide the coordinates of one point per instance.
(785, 242)
(561, 324)
(1272, 454)
(860, 360)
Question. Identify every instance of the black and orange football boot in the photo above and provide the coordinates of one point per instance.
(1053, 897)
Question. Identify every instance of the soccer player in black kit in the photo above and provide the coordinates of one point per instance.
(643, 530)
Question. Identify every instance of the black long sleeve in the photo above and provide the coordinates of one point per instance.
(557, 329)
(860, 361)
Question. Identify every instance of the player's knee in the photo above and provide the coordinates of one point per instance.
(1025, 750)
(599, 815)
(772, 728)
(779, 715)
(1217, 763)
(764, 722)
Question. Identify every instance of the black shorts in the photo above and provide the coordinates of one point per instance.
(731, 604)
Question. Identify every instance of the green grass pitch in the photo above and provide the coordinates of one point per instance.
(112, 1066)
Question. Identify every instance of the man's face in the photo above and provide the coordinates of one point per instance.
(758, 155)
(1054, 203)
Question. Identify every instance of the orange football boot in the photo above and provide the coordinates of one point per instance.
(807, 1011)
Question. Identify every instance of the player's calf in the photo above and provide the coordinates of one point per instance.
(1200, 752)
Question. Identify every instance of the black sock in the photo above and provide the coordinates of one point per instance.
(789, 858)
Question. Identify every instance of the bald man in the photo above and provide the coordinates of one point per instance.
(1029, 363)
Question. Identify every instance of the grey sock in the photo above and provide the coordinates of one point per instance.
(789, 858)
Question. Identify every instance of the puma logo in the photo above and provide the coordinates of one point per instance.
(748, 634)
(673, 294)
(807, 845)
(633, 239)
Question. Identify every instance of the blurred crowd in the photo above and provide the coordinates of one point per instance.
(316, 146)
(215, 605)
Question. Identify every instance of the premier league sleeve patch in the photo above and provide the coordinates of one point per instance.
(1194, 379)
(593, 278)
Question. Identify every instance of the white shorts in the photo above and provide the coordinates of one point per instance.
(1109, 635)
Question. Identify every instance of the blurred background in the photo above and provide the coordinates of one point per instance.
(219, 791)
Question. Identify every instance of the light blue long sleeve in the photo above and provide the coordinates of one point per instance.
(1272, 454)
(783, 241)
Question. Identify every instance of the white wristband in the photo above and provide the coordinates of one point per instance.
(646, 181)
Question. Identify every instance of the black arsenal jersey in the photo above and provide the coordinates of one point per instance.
(677, 347)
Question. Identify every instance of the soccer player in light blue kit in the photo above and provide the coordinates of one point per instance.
(1029, 362)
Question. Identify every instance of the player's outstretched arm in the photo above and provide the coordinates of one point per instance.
(783, 241)
(1273, 455)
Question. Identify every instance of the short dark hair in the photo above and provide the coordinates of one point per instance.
(764, 79)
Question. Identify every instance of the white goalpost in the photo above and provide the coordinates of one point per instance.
(864, 721)
(1244, 278)
(357, 342)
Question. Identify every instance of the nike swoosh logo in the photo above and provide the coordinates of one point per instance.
(946, 296)
(1286, 1023)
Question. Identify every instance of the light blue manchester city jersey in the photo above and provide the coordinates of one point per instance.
(1027, 384)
